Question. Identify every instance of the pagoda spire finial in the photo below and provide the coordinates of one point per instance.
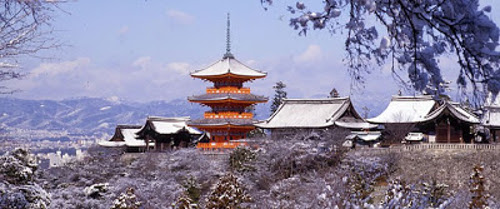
(228, 39)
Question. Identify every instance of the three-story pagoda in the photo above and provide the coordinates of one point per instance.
(230, 117)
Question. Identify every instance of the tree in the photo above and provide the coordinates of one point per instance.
(24, 30)
(334, 93)
(478, 189)
(228, 193)
(418, 33)
(279, 95)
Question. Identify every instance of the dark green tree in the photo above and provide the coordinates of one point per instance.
(279, 95)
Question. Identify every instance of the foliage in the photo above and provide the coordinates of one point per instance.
(411, 196)
(25, 30)
(17, 186)
(127, 200)
(184, 202)
(18, 167)
(228, 193)
(191, 196)
(192, 188)
(279, 95)
(240, 159)
(478, 189)
(418, 34)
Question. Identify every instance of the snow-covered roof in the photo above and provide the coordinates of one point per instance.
(354, 123)
(455, 110)
(111, 143)
(163, 125)
(492, 116)
(127, 138)
(406, 109)
(307, 113)
(365, 136)
(228, 65)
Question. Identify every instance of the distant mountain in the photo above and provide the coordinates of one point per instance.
(93, 115)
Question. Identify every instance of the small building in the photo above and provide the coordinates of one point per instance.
(442, 123)
(168, 133)
(299, 115)
(125, 136)
(491, 120)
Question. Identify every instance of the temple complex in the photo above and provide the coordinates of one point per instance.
(230, 118)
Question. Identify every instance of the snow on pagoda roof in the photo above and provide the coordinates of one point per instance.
(456, 110)
(228, 65)
(240, 97)
(406, 109)
(307, 113)
(173, 125)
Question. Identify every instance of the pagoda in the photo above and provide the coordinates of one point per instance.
(230, 118)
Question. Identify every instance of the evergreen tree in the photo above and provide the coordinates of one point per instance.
(478, 189)
(334, 93)
(228, 193)
(279, 95)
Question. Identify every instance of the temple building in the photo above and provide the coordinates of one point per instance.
(125, 136)
(301, 115)
(230, 117)
(444, 122)
(168, 133)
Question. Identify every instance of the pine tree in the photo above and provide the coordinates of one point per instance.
(478, 189)
(334, 93)
(228, 193)
(279, 95)
(127, 200)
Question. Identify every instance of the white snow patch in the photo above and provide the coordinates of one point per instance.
(105, 108)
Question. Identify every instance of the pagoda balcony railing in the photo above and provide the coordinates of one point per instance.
(228, 89)
(228, 115)
(220, 145)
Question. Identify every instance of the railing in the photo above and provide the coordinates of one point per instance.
(415, 147)
(221, 147)
(230, 115)
(451, 146)
(225, 90)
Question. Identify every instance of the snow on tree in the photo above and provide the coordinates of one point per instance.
(127, 200)
(412, 36)
(478, 189)
(26, 30)
(240, 159)
(279, 95)
(414, 196)
(17, 188)
(228, 193)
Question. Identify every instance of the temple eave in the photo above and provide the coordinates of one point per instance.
(228, 75)
(232, 101)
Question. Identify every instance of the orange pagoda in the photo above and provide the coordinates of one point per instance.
(230, 118)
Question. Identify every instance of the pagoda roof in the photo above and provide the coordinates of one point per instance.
(228, 66)
(227, 96)
(406, 109)
(222, 122)
(312, 113)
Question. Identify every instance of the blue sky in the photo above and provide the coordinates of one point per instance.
(143, 50)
